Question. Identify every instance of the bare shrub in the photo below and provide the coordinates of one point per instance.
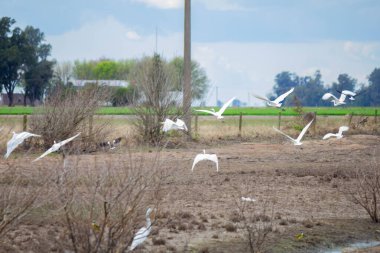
(155, 84)
(105, 204)
(67, 112)
(19, 190)
(256, 218)
(366, 189)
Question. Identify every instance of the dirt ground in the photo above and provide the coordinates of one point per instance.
(301, 187)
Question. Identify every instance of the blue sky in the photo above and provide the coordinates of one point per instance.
(242, 44)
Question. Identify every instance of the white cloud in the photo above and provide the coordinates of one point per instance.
(132, 35)
(110, 38)
(218, 5)
(222, 5)
(162, 4)
(236, 68)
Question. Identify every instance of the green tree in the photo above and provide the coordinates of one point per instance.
(374, 87)
(284, 81)
(14, 53)
(345, 82)
(199, 80)
(105, 70)
(38, 69)
(37, 80)
(84, 70)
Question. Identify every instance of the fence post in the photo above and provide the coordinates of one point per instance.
(315, 123)
(375, 116)
(24, 122)
(240, 123)
(279, 120)
(350, 118)
(90, 127)
(196, 125)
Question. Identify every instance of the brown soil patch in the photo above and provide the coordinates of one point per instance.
(306, 182)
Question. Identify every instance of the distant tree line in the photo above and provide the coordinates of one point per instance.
(24, 62)
(308, 90)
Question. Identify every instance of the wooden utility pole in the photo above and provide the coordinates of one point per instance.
(187, 68)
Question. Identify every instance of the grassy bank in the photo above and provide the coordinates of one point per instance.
(289, 111)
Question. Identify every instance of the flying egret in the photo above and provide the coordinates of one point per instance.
(171, 125)
(143, 232)
(219, 113)
(16, 140)
(248, 199)
(278, 101)
(298, 140)
(350, 94)
(204, 156)
(334, 99)
(338, 135)
(56, 146)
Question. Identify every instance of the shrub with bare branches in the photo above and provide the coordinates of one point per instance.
(255, 218)
(67, 112)
(155, 84)
(105, 205)
(366, 189)
(19, 190)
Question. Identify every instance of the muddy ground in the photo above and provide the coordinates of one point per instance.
(303, 188)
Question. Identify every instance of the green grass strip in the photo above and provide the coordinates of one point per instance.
(264, 111)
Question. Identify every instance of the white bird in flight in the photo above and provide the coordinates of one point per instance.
(334, 99)
(143, 232)
(338, 135)
(299, 138)
(171, 125)
(278, 101)
(204, 156)
(55, 147)
(16, 140)
(219, 113)
(350, 94)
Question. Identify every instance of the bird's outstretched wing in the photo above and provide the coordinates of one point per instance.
(198, 158)
(329, 135)
(67, 140)
(284, 134)
(50, 150)
(280, 98)
(348, 93)
(213, 158)
(342, 97)
(262, 98)
(342, 129)
(16, 140)
(304, 131)
(180, 123)
(224, 107)
(328, 95)
(167, 125)
(55, 147)
(206, 111)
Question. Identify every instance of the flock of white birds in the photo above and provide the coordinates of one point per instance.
(169, 125)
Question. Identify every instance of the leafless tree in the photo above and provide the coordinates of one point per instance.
(105, 205)
(256, 218)
(67, 112)
(154, 80)
(366, 189)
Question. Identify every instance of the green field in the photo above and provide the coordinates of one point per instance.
(265, 111)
